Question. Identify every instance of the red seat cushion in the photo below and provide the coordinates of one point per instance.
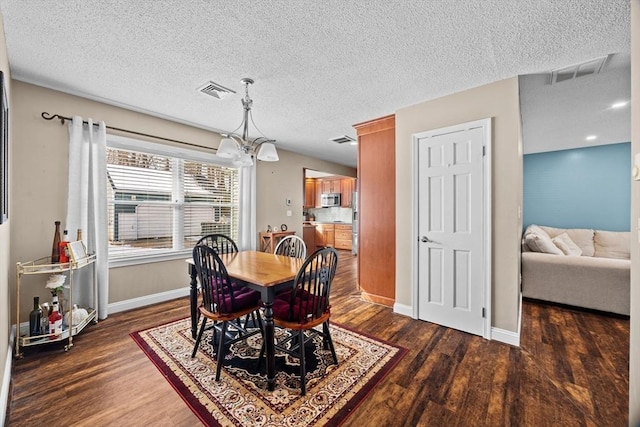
(303, 306)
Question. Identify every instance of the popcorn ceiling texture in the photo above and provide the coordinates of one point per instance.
(319, 66)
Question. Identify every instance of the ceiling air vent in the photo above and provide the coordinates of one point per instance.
(342, 139)
(588, 68)
(214, 89)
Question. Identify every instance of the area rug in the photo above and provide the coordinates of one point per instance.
(241, 397)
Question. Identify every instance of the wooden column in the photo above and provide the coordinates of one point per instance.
(377, 215)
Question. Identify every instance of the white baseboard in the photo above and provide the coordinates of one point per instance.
(6, 377)
(405, 310)
(130, 304)
(507, 337)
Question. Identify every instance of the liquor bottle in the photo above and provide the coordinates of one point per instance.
(55, 323)
(55, 249)
(79, 235)
(64, 249)
(35, 318)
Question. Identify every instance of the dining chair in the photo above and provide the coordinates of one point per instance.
(292, 246)
(222, 243)
(306, 305)
(223, 303)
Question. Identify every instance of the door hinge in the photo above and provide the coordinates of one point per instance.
(484, 150)
(483, 313)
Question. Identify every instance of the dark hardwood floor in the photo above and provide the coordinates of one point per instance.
(571, 370)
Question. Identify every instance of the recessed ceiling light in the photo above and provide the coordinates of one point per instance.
(591, 137)
(619, 104)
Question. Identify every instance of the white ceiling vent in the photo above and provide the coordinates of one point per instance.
(214, 89)
(588, 68)
(342, 139)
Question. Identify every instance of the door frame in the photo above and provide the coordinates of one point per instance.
(487, 229)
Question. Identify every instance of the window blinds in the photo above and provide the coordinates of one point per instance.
(159, 203)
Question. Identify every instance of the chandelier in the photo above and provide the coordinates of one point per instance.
(241, 148)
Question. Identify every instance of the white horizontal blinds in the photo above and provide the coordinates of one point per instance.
(210, 200)
(158, 204)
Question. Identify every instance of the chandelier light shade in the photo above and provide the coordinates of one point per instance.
(242, 149)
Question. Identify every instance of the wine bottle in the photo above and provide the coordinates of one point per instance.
(79, 235)
(55, 249)
(55, 323)
(64, 249)
(35, 318)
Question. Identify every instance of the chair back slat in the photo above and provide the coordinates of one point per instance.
(217, 292)
(221, 243)
(312, 286)
(292, 246)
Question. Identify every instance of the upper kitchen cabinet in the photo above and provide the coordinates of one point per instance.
(348, 186)
(331, 185)
(309, 193)
(318, 193)
(377, 210)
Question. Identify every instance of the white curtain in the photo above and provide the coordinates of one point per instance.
(87, 207)
(247, 229)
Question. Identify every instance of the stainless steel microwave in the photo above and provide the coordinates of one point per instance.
(328, 200)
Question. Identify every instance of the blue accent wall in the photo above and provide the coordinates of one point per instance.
(580, 188)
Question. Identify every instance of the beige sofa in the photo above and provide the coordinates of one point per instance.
(579, 267)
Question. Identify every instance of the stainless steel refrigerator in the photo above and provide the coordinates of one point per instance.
(354, 224)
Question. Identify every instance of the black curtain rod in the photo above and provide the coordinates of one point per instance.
(62, 119)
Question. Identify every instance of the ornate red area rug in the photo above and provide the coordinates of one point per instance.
(241, 397)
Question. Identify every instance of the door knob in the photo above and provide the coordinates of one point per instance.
(425, 239)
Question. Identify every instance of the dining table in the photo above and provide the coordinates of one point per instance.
(264, 272)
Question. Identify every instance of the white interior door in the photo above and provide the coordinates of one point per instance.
(451, 224)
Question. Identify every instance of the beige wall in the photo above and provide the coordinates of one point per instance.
(499, 101)
(277, 181)
(40, 174)
(634, 354)
(6, 272)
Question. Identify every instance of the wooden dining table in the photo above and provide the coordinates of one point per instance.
(261, 271)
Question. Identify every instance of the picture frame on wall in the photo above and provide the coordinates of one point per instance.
(4, 151)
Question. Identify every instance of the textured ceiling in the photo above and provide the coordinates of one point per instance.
(319, 66)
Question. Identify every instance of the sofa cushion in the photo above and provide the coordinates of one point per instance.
(612, 244)
(583, 237)
(566, 245)
(541, 243)
(532, 230)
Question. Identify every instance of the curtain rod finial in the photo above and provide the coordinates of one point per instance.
(48, 116)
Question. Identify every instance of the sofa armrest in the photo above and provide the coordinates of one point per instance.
(590, 282)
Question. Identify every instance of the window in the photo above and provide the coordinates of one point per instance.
(161, 203)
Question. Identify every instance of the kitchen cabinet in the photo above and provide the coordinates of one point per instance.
(343, 236)
(309, 193)
(325, 235)
(318, 193)
(309, 237)
(331, 185)
(348, 186)
(377, 210)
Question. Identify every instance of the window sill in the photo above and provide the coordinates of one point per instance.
(148, 259)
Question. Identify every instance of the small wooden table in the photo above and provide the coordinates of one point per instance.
(269, 240)
(261, 271)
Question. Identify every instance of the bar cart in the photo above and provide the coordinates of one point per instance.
(44, 266)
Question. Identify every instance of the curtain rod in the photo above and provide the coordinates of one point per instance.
(62, 119)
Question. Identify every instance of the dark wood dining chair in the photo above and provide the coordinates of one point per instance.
(306, 305)
(222, 243)
(292, 246)
(223, 303)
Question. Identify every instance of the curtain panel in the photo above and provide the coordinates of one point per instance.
(87, 205)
